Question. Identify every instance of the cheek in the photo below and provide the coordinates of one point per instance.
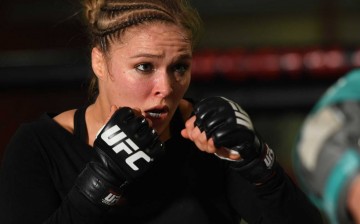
(182, 85)
(130, 91)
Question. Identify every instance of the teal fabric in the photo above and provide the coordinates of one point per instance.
(345, 169)
(347, 88)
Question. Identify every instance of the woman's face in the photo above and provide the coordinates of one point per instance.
(150, 70)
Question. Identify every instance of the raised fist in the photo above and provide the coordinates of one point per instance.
(230, 127)
(126, 148)
(127, 145)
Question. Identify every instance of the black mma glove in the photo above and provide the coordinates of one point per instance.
(125, 148)
(230, 127)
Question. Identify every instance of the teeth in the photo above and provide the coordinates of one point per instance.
(155, 115)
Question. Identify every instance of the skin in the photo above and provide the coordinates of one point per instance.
(353, 199)
(149, 70)
(204, 144)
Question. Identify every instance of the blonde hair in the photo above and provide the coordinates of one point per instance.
(107, 20)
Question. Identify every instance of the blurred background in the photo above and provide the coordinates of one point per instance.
(273, 57)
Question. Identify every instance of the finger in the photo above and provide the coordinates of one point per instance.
(226, 153)
(189, 127)
(202, 143)
(211, 145)
(184, 134)
(195, 135)
(190, 122)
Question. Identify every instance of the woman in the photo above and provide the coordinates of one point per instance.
(134, 155)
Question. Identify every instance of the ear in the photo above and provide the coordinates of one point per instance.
(98, 63)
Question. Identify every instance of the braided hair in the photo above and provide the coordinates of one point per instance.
(107, 20)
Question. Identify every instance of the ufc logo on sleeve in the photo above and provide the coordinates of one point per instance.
(114, 136)
(269, 157)
(111, 199)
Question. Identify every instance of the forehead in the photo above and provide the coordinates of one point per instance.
(154, 33)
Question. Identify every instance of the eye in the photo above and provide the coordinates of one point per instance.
(145, 67)
(181, 68)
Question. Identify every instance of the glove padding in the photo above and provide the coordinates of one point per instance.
(126, 148)
(231, 127)
(127, 145)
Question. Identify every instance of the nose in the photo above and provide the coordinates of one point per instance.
(163, 86)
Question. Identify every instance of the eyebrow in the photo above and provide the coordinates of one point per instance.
(147, 55)
(185, 56)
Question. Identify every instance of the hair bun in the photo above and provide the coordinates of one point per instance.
(91, 8)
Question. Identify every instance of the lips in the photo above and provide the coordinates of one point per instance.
(157, 112)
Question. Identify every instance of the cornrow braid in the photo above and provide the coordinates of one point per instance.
(122, 8)
(130, 21)
(115, 18)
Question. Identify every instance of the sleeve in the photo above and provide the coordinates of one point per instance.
(27, 192)
(277, 201)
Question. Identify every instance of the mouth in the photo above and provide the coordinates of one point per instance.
(157, 112)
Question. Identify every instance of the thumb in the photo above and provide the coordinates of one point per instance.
(184, 134)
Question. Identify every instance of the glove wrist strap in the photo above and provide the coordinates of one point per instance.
(94, 186)
(259, 170)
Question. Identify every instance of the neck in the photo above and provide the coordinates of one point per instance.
(96, 116)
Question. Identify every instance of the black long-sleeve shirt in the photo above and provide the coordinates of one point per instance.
(43, 160)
